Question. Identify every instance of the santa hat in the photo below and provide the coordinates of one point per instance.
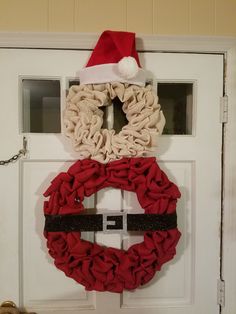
(114, 59)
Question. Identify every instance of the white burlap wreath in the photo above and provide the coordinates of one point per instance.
(83, 121)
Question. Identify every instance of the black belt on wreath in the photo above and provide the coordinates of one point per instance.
(110, 222)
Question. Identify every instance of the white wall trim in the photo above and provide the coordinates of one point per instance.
(88, 40)
(193, 44)
(229, 217)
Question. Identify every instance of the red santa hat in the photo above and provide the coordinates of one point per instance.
(114, 59)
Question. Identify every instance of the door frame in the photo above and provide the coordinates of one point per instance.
(190, 44)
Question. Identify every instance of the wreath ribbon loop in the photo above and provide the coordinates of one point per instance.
(83, 120)
(103, 268)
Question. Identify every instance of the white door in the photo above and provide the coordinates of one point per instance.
(190, 86)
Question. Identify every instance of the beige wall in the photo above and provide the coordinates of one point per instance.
(185, 17)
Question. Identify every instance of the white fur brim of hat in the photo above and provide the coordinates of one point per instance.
(125, 71)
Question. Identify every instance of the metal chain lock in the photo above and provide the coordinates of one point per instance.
(22, 152)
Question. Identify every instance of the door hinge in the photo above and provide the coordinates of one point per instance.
(221, 292)
(224, 109)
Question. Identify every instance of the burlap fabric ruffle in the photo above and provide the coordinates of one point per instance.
(104, 268)
(83, 121)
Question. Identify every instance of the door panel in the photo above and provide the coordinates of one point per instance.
(174, 285)
(42, 285)
(187, 284)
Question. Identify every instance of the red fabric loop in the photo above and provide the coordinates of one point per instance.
(104, 268)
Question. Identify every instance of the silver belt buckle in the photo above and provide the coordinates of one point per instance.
(111, 222)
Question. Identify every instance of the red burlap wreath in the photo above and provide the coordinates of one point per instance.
(103, 268)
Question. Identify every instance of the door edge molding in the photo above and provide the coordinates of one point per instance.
(46, 40)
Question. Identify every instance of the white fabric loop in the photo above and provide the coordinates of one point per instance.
(83, 121)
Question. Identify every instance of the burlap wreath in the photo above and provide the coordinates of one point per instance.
(109, 269)
(83, 121)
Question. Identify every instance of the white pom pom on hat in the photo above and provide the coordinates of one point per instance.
(114, 58)
(128, 67)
